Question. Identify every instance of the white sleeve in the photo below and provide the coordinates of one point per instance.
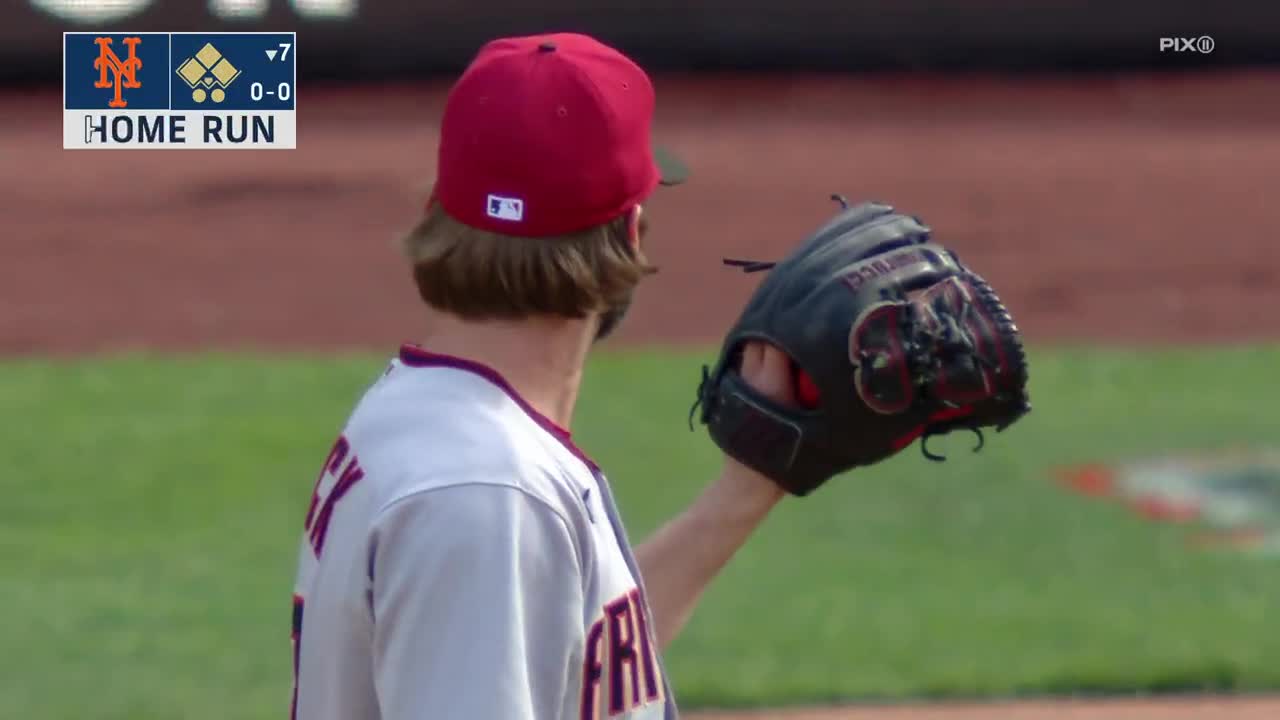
(477, 607)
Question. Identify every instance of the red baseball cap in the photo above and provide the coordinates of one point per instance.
(549, 134)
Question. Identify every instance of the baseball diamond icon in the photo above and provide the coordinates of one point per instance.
(206, 69)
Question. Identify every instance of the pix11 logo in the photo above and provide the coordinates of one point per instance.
(1228, 499)
(179, 90)
(1203, 44)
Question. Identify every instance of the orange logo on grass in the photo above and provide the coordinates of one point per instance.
(124, 73)
(1229, 498)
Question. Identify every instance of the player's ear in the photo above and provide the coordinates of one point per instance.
(633, 226)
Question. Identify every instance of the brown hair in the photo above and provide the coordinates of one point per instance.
(483, 275)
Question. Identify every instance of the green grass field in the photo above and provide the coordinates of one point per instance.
(152, 507)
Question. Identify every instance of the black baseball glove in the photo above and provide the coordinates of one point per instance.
(892, 339)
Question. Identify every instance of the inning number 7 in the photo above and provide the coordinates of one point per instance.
(284, 51)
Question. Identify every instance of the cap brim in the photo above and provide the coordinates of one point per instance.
(671, 169)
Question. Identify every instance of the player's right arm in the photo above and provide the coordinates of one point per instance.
(477, 606)
(683, 556)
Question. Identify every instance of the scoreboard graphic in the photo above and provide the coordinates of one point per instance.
(211, 91)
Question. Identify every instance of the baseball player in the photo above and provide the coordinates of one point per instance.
(462, 557)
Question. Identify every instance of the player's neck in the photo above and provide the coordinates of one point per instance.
(542, 359)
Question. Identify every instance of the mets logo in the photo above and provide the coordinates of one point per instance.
(124, 73)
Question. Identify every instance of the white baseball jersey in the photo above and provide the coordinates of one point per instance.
(461, 558)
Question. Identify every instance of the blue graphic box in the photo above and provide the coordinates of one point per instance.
(253, 71)
(140, 68)
(242, 72)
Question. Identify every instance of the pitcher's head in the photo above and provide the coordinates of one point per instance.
(544, 162)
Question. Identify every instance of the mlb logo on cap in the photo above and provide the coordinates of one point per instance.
(506, 208)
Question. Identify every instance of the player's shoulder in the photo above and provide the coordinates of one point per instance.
(434, 421)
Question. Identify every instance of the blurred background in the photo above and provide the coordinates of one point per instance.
(184, 332)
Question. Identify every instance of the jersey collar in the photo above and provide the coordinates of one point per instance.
(415, 356)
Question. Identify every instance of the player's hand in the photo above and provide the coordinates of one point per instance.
(768, 370)
(771, 372)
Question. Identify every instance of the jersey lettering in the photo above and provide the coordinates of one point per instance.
(618, 648)
(624, 679)
(317, 524)
(336, 455)
(652, 687)
(592, 671)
